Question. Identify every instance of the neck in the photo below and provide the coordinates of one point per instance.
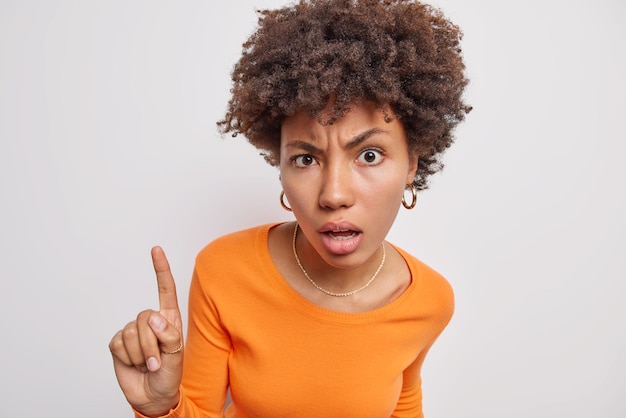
(334, 278)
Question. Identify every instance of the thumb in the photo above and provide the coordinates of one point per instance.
(170, 342)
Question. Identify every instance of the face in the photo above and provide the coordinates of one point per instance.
(345, 182)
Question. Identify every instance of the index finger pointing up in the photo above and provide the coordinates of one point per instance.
(165, 280)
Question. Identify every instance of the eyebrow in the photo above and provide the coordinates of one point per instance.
(307, 146)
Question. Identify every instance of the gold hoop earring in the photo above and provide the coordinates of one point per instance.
(282, 202)
(413, 194)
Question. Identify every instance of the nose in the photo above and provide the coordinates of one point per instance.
(338, 187)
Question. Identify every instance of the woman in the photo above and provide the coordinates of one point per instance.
(354, 101)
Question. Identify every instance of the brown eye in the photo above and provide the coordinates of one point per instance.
(370, 157)
(304, 160)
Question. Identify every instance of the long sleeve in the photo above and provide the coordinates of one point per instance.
(205, 372)
(439, 300)
(279, 354)
(410, 402)
(205, 369)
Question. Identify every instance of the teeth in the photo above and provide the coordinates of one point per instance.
(342, 237)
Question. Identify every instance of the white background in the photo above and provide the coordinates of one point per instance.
(108, 146)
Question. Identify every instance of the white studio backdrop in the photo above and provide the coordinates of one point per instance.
(108, 146)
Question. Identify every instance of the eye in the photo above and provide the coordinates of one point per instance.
(370, 157)
(304, 160)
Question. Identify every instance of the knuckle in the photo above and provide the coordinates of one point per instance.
(116, 345)
(130, 331)
(171, 338)
(144, 315)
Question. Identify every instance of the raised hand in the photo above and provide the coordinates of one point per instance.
(148, 352)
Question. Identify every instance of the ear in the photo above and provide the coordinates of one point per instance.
(413, 162)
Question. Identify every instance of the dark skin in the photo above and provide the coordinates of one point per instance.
(396, 53)
(323, 58)
(356, 171)
(148, 376)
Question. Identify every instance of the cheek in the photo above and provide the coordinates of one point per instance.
(388, 180)
(393, 195)
(296, 191)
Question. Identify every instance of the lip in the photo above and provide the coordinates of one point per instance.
(338, 226)
(340, 238)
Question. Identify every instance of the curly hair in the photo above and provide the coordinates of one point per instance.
(395, 53)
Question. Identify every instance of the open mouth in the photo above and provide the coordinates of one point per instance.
(342, 234)
(341, 238)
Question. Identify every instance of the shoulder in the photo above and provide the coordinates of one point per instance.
(223, 268)
(235, 244)
(422, 273)
(235, 257)
(434, 292)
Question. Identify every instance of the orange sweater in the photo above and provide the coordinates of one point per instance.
(282, 356)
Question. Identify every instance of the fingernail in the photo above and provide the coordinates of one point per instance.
(143, 369)
(157, 322)
(153, 364)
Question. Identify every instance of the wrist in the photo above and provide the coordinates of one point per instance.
(163, 408)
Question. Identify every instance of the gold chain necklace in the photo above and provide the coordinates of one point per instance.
(328, 292)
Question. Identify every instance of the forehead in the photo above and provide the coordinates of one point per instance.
(359, 119)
